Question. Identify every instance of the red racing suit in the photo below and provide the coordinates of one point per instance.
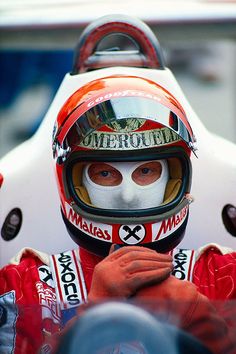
(40, 293)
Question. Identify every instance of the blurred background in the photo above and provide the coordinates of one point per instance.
(38, 38)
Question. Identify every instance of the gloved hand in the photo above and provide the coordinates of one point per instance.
(127, 270)
(181, 304)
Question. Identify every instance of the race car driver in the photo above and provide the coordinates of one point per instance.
(121, 147)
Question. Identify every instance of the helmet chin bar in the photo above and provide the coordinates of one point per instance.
(102, 248)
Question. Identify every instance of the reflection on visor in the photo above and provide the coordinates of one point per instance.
(126, 115)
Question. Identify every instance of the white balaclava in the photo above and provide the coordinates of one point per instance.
(128, 194)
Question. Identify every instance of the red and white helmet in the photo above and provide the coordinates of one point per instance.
(123, 119)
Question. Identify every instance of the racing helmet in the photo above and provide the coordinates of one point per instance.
(117, 121)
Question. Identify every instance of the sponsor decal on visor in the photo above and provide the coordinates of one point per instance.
(129, 141)
(122, 93)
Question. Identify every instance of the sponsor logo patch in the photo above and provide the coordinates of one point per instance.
(69, 280)
(45, 275)
(92, 229)
(48, 301)
(132, 234)
(183, 262)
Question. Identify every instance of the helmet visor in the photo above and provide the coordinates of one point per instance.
(123, 119)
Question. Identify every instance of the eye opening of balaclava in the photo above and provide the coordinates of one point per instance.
(127, 193)
(172, 187)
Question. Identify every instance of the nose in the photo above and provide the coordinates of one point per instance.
(128, 194)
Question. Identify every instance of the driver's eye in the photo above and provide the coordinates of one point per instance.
(145, 170)
(104, 173)
(147, 173)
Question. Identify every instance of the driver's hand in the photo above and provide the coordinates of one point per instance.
(127, 270)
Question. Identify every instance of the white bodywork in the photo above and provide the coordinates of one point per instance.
(29, 182)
